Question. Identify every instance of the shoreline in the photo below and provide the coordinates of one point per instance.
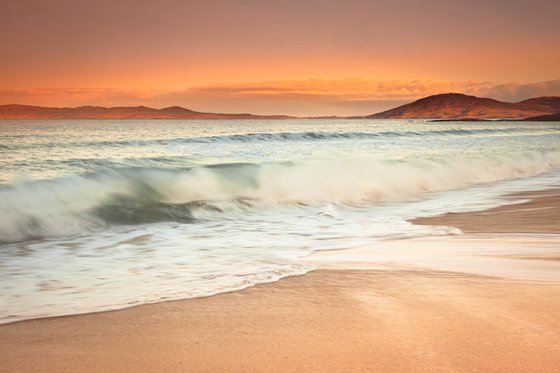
(402, 321)
(395, 320)
(534, 212)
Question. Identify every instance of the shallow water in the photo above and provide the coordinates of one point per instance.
(525, 257)
(98, 214)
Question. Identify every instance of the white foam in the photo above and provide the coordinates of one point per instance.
(513, 256)
(67, 205)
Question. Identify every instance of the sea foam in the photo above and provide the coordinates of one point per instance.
(81, 203)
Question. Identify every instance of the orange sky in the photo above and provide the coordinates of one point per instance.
(305, 57)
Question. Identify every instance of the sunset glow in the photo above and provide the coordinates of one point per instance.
(284, 57)
(279, 186)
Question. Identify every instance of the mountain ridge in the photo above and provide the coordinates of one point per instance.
(442, 106)
(458, 105)
(17, 111)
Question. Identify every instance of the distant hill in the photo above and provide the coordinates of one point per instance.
(457, 105)
(544, 118)
(125, 112)
(445, 106)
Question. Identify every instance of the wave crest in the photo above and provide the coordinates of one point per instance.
(295, 136)
(79, 203)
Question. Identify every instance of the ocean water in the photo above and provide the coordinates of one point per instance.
(100, 214)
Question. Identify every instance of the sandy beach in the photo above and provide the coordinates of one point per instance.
(533, 212)
(280, 186)
(402, 320)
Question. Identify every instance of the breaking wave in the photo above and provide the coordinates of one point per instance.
(301, 136)
(81, 203)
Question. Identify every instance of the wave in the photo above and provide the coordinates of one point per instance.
(312, 135)
(298, 136)
(80, 203)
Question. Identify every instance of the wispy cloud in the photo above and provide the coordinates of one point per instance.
(351, 96)
(516, 92)
(72, 96)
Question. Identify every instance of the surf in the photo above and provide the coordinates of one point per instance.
(129, 196)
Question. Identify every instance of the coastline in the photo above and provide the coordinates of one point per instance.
(401, 320)
(533, 212)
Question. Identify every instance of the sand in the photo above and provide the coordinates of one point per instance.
(540, 214)
(402, 320)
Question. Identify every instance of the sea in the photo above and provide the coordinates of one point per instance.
(106, 214)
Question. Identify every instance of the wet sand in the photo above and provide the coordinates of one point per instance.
(401, 320)
(540, 214)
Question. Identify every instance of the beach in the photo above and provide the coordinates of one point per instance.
(279, 186)
(395, 320)
(532, 212)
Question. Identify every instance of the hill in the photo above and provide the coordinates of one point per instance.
(457, 105)
(125, 112)
(544, 118)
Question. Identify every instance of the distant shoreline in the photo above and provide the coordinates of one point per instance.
(441, 107)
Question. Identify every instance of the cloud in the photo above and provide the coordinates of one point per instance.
(352, 89)
(70, 96)
(352, 96)
(514, 92)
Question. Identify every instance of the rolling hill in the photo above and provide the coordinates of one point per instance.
(457, 105)
(125, 112)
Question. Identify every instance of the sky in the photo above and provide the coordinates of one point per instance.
(304, 57)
